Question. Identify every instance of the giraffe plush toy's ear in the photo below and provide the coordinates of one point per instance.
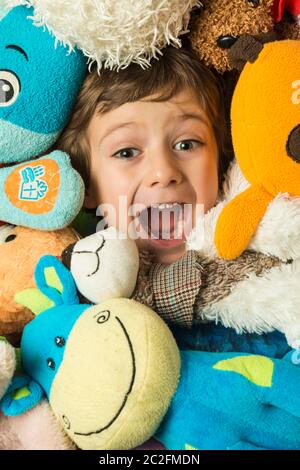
(55, 286)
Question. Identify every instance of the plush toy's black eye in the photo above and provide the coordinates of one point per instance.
(255, 3)
(293, 144)
(225, 42)
(9, 88)
(10, 238)
(60, 341)
(50, 363)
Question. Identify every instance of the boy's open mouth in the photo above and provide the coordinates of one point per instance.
(164, 221)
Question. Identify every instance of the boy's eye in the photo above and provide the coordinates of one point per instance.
(126, 153)
(185, 145)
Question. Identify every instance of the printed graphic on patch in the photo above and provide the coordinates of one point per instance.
(33, 187)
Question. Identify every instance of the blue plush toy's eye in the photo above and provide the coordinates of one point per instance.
(50, 363)
(60, 341)
(9, 88)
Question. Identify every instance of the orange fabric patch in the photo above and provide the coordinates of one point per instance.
(50, 178)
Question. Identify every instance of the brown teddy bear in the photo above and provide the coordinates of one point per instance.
(216, 27)
(20, 250)
(219, 23)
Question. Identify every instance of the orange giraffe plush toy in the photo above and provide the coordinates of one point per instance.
(265, 117)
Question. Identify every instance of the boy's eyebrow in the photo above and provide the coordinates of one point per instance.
(116, 127)
(181, 117)
(186, 116)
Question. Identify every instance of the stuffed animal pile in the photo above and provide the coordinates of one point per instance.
(117, 396)
(117, 34)
(255, 290)
(147, 393)
(39, 85)
(44, 50)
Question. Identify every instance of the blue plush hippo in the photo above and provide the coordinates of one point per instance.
(39, 82)
(114, 377)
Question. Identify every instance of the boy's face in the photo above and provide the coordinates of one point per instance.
(154, 153)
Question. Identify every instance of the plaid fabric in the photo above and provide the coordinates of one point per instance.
(175, 288)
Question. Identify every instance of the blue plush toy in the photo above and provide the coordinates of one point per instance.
(39, 82)
(113, 375)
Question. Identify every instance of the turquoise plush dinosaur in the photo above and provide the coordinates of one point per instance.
(39, 82)
(111, 374)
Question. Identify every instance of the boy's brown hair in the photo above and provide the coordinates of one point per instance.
(174, 71)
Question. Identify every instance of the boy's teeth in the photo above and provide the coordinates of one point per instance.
(165, 206)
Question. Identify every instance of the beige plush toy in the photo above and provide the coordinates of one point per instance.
(37, 429)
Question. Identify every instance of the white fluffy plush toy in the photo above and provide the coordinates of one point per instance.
(259, 291)
(114, 33)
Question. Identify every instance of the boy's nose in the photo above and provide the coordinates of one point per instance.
(162, 170)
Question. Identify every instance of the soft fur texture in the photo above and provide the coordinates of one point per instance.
(132, 387)
(20, 250)
(119, 32)
(227, 18)
(37, 429)
(128, 362)
(266, 147)
(7, 365)
(237, 17)
(53, 210)
(258, 303)
(42, 84)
